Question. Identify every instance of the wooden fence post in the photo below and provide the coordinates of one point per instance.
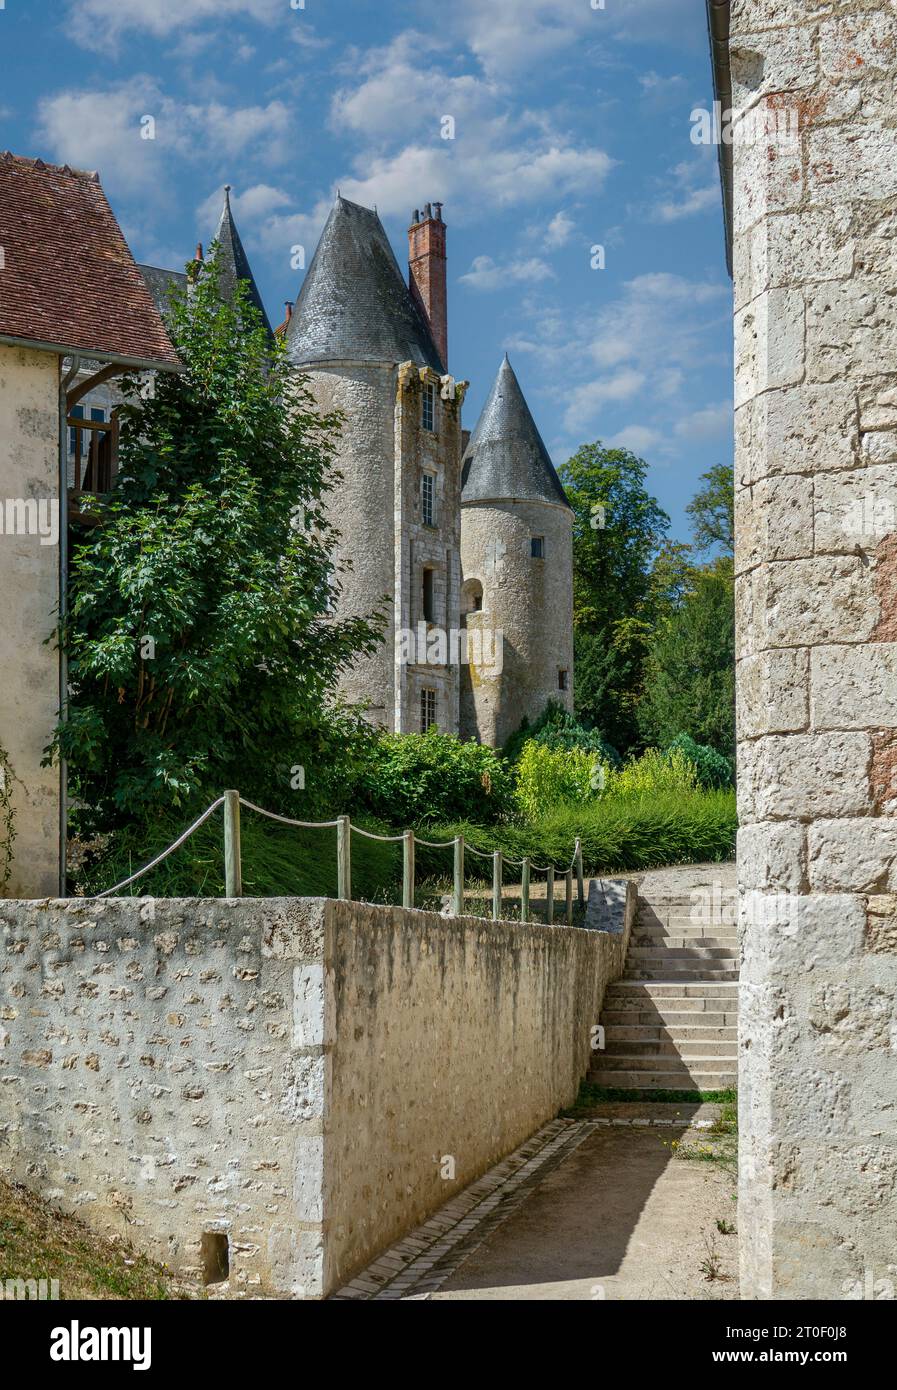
(344, 857)
(549, 896)
(524, 891)
(497, 865)
(408, 869)
(458, 885)
(233, 868)
(568, 886)
(579, 877)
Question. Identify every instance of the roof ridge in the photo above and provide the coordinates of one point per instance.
(90, 175)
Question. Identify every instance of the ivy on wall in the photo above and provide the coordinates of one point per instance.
(7, 818)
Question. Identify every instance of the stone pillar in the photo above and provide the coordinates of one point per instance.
(815, 211)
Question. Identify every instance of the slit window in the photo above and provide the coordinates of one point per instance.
(427, 709)
(428, 407)
(563, 680)
(537, 547)
(215, 1257)
(427, 595)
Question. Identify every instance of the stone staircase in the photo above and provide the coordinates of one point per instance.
(671, 1022)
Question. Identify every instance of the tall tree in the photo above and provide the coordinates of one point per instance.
(712, 511)
(201, 651)
(618, 529)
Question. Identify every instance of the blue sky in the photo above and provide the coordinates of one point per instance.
(571, 130)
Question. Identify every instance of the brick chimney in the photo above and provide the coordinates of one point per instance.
(426, 272)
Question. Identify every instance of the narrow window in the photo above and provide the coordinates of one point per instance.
(76, 413)
(429, 607)
(427, 499)
(428, 417)
(563, 680)
(427, 709)
(537, 547)
(215, 1257)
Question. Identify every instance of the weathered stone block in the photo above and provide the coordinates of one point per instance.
(807, 429)
(786, 777)
(773, 521)
(853, 687)
(769, 343)
(846, 856)
(772, 856)
(773, 692)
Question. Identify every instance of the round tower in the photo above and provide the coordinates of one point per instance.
(516, 569)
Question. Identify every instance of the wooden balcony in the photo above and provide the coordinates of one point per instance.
(95, 466)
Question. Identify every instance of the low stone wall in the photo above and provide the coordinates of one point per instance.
(295, 1082)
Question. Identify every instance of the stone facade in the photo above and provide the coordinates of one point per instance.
(815, 217)
(29, 583)
(523, 653)
(301, 1080)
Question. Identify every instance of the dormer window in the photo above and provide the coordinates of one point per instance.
(428, 410)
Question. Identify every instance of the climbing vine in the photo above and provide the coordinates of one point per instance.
(7, 818)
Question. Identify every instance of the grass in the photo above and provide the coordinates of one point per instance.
(39, 1242)
(591, 1095)
(278, 861)
(618, 834)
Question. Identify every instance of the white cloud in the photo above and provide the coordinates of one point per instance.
(584, 402)
(712, 422)
(99, 24)
(250, 206)
(103, 130)
(487, 274)
(639, 438)
(559, 231)
(692, 188)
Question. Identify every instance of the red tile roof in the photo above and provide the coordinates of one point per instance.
(67, 276)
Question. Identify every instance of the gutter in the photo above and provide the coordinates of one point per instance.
(718, 15)
(65, 381)
(142, 364)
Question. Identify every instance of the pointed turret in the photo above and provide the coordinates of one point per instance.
(233, 261)
(354, 304)
(506, 458)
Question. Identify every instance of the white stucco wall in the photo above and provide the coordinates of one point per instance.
(29, 586)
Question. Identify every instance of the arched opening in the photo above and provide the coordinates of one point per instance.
(471, 598)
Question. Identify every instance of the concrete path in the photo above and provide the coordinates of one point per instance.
(622, 1218)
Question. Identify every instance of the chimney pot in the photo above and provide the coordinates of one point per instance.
(199, 255)
(427, 273)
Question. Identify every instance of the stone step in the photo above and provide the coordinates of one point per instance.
(695, 938)
(630, 1061)
(660, 1050)
(676, 1017)
(671, 989)
(690, 1080)
(657, 1032)
(665, 973)
(674, 953)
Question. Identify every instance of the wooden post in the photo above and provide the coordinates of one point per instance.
(579, 879)
(344, 858)
(549, 896)
(497, 865)
(408, 869)
(568, 886)
(524, 892)
(458, 886)
(233, 868)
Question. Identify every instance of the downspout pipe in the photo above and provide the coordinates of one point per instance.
(718, 16)
(65, 380)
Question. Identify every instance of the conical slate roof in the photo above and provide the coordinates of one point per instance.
(233, 261)
(506, 457)
(354, 302)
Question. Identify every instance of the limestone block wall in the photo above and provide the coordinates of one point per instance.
(288, 1074)
(29, 586)
(816, 562)
(527, 613)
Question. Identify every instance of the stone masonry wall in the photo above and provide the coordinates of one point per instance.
(288, 1074)
(29, 594)
(816, 562)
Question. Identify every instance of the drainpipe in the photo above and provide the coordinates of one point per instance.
(65, 381)
(718, 14)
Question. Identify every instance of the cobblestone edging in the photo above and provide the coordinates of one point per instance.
(420, 1264)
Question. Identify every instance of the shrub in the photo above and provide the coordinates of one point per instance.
(654, 773)
(711, 768)
(415, 779)
(557, 728)
(549, 777)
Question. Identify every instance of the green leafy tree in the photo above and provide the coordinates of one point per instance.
(690, 676)
(201, 651)
(618, 530)
(712, 511)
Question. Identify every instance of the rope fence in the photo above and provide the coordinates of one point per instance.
(233, 861)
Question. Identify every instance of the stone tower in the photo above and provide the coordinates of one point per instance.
(517, 571)
(365, 343)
